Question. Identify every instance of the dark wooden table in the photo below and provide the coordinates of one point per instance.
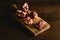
(10, 29)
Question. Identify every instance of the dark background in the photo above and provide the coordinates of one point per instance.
(10, 29)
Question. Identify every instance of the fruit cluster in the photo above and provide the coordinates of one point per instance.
(29, 16)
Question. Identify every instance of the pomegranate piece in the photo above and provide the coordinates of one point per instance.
(34, 14)
(25, 7)
(21, 13)
(40, 24)
(29, 20)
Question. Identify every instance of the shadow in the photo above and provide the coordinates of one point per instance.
(8, 23)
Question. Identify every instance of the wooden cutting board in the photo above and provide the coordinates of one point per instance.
(35, 31)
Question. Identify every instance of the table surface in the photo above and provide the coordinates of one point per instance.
(10, 29)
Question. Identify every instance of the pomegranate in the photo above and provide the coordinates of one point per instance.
(29, 20)
(25, 7)
(33, 14)
(40, 24)
(21, 13)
